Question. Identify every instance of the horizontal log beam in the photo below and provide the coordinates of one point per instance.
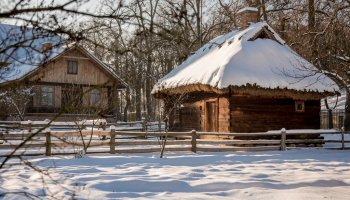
(153, 142)
(237, 142)
(233, 149)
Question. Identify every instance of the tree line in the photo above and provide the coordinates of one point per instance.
(145, 39)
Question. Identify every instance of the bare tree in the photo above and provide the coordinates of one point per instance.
(171, 105)
(15, 101)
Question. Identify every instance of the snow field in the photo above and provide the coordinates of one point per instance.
(294, 174)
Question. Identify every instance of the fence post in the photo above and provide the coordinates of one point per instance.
(342, 139)
(283, 139)
(144, 124)
(104, 126)
(112, 140)
(29, 126)
(194, 141)
(48, 142)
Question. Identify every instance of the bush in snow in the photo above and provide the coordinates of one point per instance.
(14, 101)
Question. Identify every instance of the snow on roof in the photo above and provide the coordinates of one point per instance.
(28, 55)
(238, 59)
(24, 52)
(248, 9)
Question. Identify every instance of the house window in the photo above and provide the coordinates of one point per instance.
(46, 98)
(299, 106)
(95, 98)
(72, 67)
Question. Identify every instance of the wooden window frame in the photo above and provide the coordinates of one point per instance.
(41, 96)
(297, 108)
(94, 92)
(70, 70)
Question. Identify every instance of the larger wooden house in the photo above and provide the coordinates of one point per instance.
(69, 80)
(247, 80)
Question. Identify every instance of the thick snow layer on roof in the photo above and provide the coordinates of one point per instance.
(234, 59)
(23, 47)
(27, 54)
(248, 9)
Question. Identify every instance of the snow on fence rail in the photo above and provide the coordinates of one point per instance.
(99, 123)
(113, 141)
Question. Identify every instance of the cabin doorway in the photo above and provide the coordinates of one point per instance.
(211, 116)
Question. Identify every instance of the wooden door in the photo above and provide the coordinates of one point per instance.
(212, 116)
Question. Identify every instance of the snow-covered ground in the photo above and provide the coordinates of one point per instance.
(294, 174)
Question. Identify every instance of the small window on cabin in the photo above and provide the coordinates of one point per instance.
(95, 98)
(46, 96)
(299, 106)
(72, 67)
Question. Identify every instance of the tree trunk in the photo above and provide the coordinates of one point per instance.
(283, 26)
(347, 112)
(198, 19)
(263, 9)
(312, 28)
(311, 15)
(138, 103)
(127, 104)
(148, 88)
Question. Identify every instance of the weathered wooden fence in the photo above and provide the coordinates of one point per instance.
(113, 141)
(29, 125)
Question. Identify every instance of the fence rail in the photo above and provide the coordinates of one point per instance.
(79, 125)
(113, 141)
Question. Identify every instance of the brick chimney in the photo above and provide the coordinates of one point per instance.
(247, 15)
(46, 46)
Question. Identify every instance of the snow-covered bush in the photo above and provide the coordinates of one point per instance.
(14, 101)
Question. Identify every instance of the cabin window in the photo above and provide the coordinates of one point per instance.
(72, 67)
(95, 98)
(299, 106)
(46, 98)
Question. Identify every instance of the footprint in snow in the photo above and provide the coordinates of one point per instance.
(260, 176)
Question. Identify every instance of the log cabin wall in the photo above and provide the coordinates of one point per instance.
(211, 114)
(186, 118)
(224, 115)
(257, 114)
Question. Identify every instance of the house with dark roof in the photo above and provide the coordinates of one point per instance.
(247, 80)
(61, 76)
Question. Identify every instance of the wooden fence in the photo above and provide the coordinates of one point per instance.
(80, 125)
(112, 141)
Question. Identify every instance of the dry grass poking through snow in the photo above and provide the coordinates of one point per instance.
(295, 174)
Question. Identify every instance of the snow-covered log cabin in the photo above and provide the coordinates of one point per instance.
(247, 80)
(58, 74)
